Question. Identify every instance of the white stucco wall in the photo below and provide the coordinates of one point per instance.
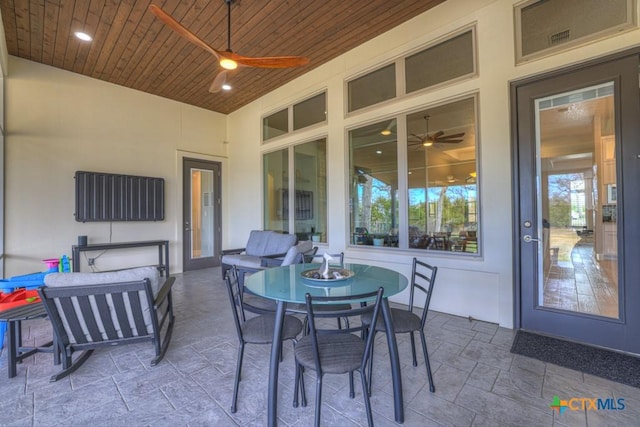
(59, 122)
(481, 287)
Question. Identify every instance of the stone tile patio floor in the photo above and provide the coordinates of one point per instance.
(478, 381)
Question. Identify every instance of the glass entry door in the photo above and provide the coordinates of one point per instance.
(201, 214)
(578, 277)
(576, 167)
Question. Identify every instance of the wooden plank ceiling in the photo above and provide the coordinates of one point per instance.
(132, 48)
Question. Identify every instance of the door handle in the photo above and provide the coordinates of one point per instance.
(527, 238)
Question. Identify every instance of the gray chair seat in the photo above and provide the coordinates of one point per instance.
(257, 304)
(259, 330)
(403, 321)
(339, 354)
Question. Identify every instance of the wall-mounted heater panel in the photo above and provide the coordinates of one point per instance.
(111, 197)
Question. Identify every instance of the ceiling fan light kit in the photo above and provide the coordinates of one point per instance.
(228, 64)
(439, 137)
(227, 60)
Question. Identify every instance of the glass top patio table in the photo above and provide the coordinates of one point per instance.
(287, 283)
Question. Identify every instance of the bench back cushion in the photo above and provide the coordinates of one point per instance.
(266, 242)
(295, 253)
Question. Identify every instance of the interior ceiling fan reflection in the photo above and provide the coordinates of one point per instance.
(439, 137)
(227, 59)
(449, 180)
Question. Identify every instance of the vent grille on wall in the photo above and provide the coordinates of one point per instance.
(560, 37)
(110, 197)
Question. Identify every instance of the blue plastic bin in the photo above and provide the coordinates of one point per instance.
(29, 277)
(3, 329)
(27, 281)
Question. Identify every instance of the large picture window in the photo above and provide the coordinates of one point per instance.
(442, 178)
(437, 147)
(374, 184)
(295, 194)
(275, 168)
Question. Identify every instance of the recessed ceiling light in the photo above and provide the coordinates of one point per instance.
(386, 132)
(83, 36)
(226, 86)
(378, 152)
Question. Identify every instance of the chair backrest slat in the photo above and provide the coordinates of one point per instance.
(236, 304)
(423, 277)
(105, 316)
(121, 313)
(71, 315)
(136, 309)
(87, 315)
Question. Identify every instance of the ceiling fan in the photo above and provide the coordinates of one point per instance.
(227, 59)
(437, 138)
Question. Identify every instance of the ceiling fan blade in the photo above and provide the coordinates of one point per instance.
(454, 136)
(448, 141)
(180, 30)
(436, 135)
(269, 62)
(218, 81)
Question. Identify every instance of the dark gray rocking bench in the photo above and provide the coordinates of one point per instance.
(94, 310)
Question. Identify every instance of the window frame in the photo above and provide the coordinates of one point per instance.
(403, 184)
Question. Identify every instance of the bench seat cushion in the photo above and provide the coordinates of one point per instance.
(242, 260)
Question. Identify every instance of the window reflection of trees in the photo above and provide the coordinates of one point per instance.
(440, 193)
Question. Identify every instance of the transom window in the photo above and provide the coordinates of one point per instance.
(298, 116)
(444, 61)
(544, 27)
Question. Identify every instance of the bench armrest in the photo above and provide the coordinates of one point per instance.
(164, 291)
(232, 251)
(274, 260)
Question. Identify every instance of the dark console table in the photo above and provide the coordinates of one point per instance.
(163, 251)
